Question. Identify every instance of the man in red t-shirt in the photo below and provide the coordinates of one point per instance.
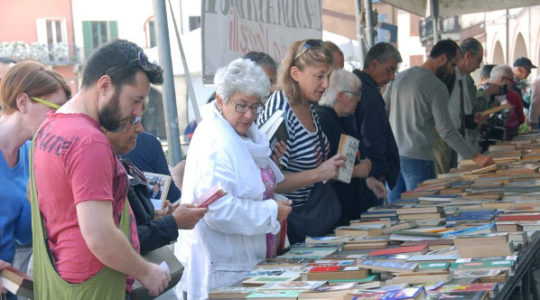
(81, 185)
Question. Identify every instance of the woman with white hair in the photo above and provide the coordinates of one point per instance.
(339, 101)
(229, 150)
(502, 75)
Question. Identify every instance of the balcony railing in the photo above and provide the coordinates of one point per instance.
(50, 54)
(447, 27)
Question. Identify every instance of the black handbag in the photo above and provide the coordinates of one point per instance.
(319, 214)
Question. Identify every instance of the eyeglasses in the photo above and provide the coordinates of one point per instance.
(45, 102)
(243, 108)
(308, 44)
(142, 59)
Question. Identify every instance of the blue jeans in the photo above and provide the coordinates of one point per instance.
(415, 171)
(395, 193)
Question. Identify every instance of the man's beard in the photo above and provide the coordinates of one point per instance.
(447, 78)
(109, 116)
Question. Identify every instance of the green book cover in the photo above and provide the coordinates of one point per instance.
(370, 278)
(483, 265)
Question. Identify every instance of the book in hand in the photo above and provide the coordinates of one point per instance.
(275, 128)
(158, 188)
(17, 282)
(348, 146)
(210, 196)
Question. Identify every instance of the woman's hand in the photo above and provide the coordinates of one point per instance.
(328, 169)
(284, 209)
(278, 152)
(376, 187)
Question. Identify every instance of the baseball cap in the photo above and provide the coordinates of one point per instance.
(524, 62)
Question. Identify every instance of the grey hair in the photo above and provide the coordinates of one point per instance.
(471, 45)
(241, 75)
(340, 80)
(382, 52)
(501, 71)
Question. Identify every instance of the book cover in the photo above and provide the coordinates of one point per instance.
(461, 296)
(293, 285)
(348, 147)
(17, 282)
(405, 294)
(262, 280)
(497, 264)
(472, 287)
(275, 128)
(407, 249)
(275, 294)
(210, 196)
(158, 188)
(298, 253)
(388, 266)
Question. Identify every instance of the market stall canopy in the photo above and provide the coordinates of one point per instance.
(448, 8)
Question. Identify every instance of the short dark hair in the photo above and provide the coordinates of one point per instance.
(471, 45)
(7, 60)
(382, 52)
(119, 60)
(261, 58)
(447, 47)
(486, 70)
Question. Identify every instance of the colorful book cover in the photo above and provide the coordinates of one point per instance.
(497, 264)
(433, 266)
(293, 285)
(275, 294)
(308, 253)
(408, 293)
(396, 250)
(390, 265)
(473, 287)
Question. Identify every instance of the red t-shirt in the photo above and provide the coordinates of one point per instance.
(515, 116)
(73, 163)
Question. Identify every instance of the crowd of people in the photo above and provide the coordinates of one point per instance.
(78, 193)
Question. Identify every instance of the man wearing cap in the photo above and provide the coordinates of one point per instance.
(522, 69)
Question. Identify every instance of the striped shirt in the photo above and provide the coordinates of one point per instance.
(303, 148)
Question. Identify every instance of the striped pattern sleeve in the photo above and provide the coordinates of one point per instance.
(303, 148)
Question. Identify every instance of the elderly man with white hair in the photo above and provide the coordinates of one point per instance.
(229, 150)
(339, 101)
(503, 76)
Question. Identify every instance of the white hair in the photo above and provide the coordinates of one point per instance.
(241, 75)
(340, 80)
(500, 71)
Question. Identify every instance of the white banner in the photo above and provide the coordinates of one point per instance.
(232, 28)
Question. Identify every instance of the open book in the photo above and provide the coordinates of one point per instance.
(275, 128)
(17, 282)
(348, 146)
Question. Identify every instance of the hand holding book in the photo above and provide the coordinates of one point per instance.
(3, 264)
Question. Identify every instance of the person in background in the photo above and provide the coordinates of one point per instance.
(502, 75)
(148, 156)
(534, 109)
(267, 63)
(152, 233)
(28, 92)
(303, 79)
(371, 121)
(82, 187)
(417, 102)
(339, 101)
(229, 151)
(337, 54)
(484, 74)
(521, 71)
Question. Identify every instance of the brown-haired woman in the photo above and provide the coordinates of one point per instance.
(28, 92)
(303, 79)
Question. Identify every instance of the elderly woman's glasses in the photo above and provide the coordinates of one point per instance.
(309, 44)
(45, 102)
(243, 108)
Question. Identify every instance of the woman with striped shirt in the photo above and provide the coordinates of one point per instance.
(303, 79)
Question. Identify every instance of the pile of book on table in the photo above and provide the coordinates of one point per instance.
(460, 235)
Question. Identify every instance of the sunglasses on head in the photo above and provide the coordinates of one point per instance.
(141, 59)
(308, 44)
(45, 102)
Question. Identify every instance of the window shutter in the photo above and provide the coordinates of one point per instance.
(113, 30)
(87, 37)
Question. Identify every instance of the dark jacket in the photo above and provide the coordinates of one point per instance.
(375, 133)
(351, 196)
(148, 156)
(152, 233)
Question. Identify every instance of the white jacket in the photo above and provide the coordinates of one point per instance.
(230, 240)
